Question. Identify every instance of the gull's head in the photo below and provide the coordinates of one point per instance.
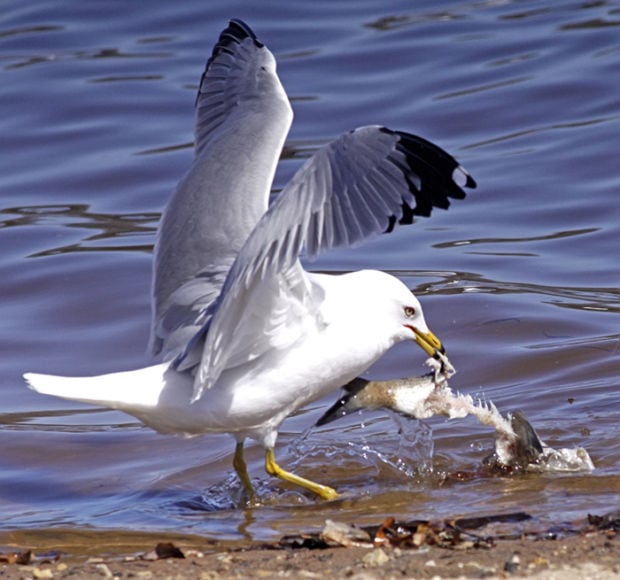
(403, 312)
(413, 321)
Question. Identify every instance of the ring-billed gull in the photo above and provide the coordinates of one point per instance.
(246, 334)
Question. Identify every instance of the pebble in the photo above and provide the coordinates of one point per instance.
(512, 564)
(363, 576)
(538, 561)
(375, 558)
(224, 558)
(42, 573)
(104, 570)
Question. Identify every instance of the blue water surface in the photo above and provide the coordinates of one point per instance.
(520, 280)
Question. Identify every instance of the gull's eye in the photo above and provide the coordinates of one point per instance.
(409, 311)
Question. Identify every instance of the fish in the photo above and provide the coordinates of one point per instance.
(523, 449)
(518, 447)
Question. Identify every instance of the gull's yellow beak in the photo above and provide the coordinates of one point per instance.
(429, 342)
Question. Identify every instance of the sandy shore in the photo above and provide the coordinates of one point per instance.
(388, 550)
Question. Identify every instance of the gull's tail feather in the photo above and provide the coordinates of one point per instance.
(124, 390)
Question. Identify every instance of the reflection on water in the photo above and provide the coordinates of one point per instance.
(49, 421)
(533, 131)
(551, 236)
(520, 280)
(78, 216)
(449, 283)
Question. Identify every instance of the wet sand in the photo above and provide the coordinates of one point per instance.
(583, 551)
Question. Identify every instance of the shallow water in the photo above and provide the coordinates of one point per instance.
(520, 281)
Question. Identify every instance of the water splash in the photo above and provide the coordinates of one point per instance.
(416, 446)
(517, 444)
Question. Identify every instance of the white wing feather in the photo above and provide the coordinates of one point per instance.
(353, 188)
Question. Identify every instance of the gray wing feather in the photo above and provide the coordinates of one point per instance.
(242, 119)
(359, 185)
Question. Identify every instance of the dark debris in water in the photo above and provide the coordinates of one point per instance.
(21, 558)
(454, 533)
(28, 557)
(163, 551)
(462, 533)
(609, 522)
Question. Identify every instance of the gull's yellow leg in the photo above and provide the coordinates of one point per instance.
(272, 468)
(242, 471)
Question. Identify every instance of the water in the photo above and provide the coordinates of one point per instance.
(520, 280)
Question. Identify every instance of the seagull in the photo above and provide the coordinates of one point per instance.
(245, 334)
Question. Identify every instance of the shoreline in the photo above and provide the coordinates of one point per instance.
(496, 547)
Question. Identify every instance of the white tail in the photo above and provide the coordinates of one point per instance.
(125, 390)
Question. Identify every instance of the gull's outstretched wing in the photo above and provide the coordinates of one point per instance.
(242, 118)
(359, 185)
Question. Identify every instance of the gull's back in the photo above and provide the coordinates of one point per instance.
(242, 118)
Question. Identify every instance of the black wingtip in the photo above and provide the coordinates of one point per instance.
(433, 176)
(461, 177)
(240, 30)
(236, 31)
